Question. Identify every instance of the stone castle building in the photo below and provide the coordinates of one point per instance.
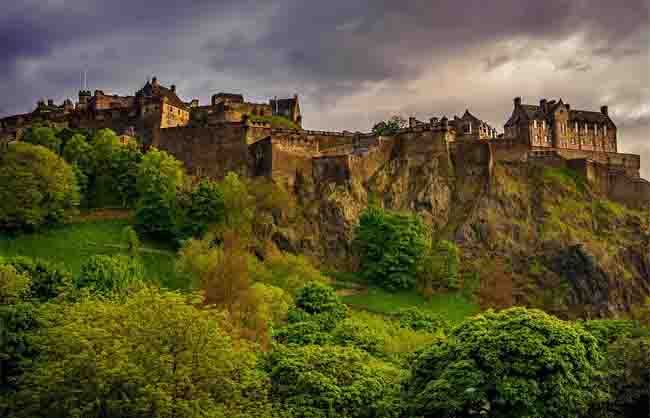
(231, 134)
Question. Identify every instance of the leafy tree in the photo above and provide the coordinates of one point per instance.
(158, 179)
(627, 374)
(287, 271)
(109, 274)
(389, 127)
(514, 363)
(206, 207)
(44, 136)
(238, 204)
(78, 151)
(37, 187)
(318, 298)
(47, 280)
(331, 381)
(124, 172)
(390, 246)
(154, 353)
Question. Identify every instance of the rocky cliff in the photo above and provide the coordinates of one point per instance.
(540, 234)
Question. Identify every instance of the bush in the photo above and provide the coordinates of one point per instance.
(47, 280)
(419, 320)
(287, 271)
(110, 274)
(390, 246)
(514, 363)
(37, 188)
(318, 298)
(327, 381)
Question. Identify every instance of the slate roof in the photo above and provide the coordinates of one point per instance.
(535, 112)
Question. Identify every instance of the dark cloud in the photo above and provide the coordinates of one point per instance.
(352, 61)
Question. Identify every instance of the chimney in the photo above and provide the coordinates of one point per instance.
(50, 102)
(542, 105)
(154, 81)
(604, 110)
(568, 107)
(517, 101)
(173, 88)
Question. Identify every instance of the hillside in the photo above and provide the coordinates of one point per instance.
(541, 235)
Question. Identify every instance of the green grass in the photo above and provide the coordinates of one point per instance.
(71, 245)
(453, 306)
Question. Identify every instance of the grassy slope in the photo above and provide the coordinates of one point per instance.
(452, 306)
(73, 244)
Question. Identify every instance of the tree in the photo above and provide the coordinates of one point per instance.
(158, 179)
(206, 207)
(155, 353)
(514, 363)
(389, 127)
(123, 167)
(37, 187)
(331, 381)
(110, 275)
(44, 136)
(78, 151)
(238, 205)
(390, 246)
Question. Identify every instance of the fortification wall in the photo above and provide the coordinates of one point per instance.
(629, 163)
(207, 151)
(365, 162)
(331, 169)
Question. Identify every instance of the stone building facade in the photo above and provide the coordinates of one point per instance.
(553, 124)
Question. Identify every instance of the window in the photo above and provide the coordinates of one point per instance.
(535, 124)
(575, 126)
(605, 130)
(586, 127)
(595, 129)
(543, 124)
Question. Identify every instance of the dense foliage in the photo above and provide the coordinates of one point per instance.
(390, 246)
(390, 126)
(110, 274)
(37, 188)
(514, 363)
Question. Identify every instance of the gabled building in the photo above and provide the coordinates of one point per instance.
(470, 127)
(553, 124)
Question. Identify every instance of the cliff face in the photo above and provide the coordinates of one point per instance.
(544, 231)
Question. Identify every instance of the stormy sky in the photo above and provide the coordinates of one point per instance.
(352, 62)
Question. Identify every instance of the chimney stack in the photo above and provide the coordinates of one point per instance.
(173, 88)
(517, 101)
(568, 107)
(542, 105)
(154, 81)
(604, 110)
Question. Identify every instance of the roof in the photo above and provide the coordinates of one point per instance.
(535, 112)
(157, 90)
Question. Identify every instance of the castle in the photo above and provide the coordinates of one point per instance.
(267, 139)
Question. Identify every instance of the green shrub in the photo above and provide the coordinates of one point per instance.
(37, 188)
(47, 280)
(439, 267)
(206, 207)
(419, 320)
(318, 298)
(331, 381)
(110, 274)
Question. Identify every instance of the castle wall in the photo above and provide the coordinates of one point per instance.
(331, 169)
(209, 152)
